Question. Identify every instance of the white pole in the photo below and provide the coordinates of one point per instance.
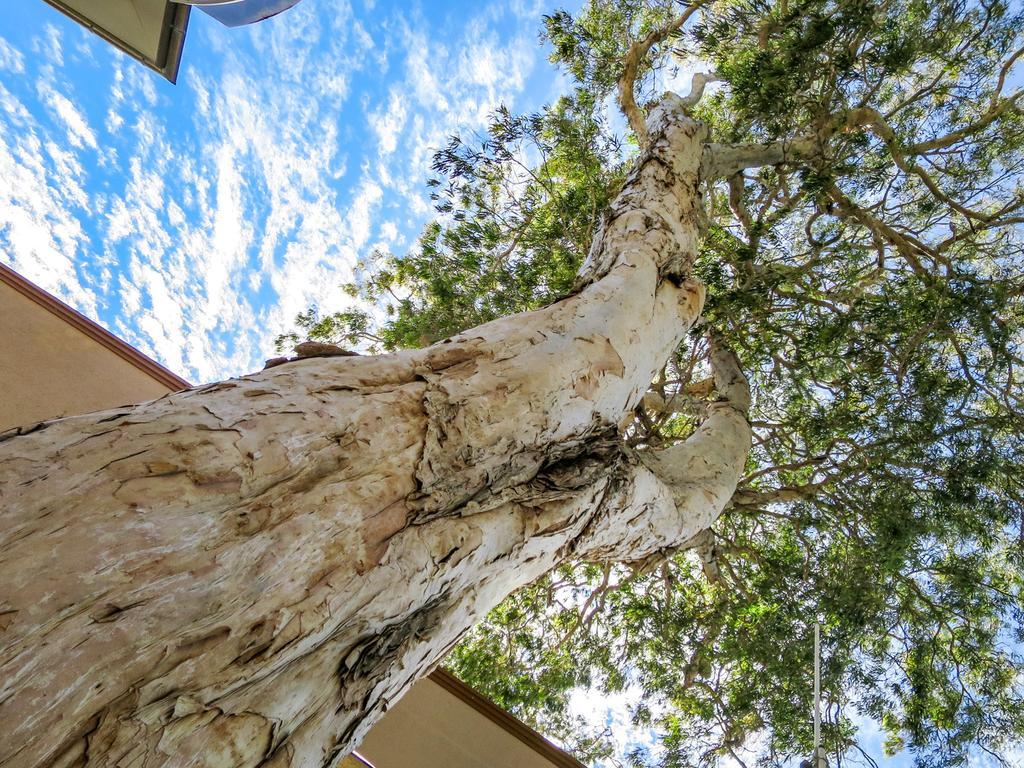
(818, 761)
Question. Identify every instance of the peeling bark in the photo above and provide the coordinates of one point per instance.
(248, 574)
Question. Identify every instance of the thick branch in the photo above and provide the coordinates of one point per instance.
(997, 109)
(865, 116)
(906, 245)
(702, 472)
(631, 65)
(726, 160)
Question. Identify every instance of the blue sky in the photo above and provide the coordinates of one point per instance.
(196, 220)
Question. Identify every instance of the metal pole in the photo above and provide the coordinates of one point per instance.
(817, 696)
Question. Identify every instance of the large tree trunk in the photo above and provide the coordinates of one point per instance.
(249, 573)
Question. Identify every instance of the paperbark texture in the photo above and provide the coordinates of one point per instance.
(249, 573)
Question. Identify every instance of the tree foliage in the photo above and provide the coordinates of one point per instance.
(870, 279)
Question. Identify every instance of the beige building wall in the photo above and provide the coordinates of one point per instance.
(51, 366)
(54, 362)
(434, 727)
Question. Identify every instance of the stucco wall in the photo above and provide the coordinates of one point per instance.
(431, 728)
(49, 368)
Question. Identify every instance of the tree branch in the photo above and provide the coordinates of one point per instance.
(631, 66)
(665, 498)
(724, 160)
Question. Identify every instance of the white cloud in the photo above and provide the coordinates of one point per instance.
(249, 206)
(40, 205)
(11, 59)
(387, 123)
(614, 713)
(50, 46)
(423, 58)
(79, 132)
(496, 66)
(448, 87)
(364, 204)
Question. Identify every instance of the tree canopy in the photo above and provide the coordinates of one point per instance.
(869, 277)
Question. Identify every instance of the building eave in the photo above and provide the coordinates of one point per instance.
(172, 41)
(511, 724)
(93, 330)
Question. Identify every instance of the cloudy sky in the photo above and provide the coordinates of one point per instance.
(197, 220)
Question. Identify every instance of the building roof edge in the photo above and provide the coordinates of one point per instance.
(92, 329)
(172, 40)
(510, 723)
